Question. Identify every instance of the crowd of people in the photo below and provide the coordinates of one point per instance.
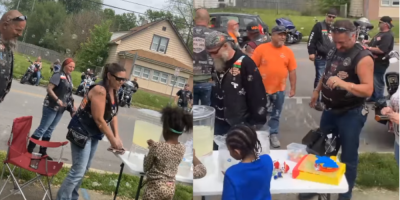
(246, 86)
(348, 74)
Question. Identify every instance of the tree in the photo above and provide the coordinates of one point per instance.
(75, 30)
(125, 22)
(325, 5)
(94, 52)
(184, 12)
(46, 18)
(76, 6)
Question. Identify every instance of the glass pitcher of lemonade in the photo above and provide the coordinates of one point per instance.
(147, 126)
(203, 129)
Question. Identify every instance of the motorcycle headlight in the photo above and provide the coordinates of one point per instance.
(126, 96)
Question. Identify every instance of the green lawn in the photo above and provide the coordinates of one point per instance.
(150, 100)
(302, 23)
(140, 99)
(21, 64)
(105, 183)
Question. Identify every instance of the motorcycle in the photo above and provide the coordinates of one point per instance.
(392, 84)
(363, 26)
(84, 87)
(30, 75)
(293, 35)
(125, 94)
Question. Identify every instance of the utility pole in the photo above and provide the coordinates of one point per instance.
(26, 31)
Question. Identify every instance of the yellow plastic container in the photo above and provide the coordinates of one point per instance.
(305, 170)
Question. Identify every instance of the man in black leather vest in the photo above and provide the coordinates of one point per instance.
(319, 43)
(345, 85)
(381, 45)
(202, 62)
(12, 24)
(239, 94)
(256, 38)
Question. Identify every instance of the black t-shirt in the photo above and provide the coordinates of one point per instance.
(184, 97)
(63, 90)
(385, 42)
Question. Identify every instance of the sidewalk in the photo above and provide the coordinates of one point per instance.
(358, 194)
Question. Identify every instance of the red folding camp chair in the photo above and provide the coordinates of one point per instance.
(18, 156)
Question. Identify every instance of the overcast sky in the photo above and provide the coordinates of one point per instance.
(161, 4)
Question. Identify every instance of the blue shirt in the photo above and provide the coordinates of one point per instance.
(249, 181)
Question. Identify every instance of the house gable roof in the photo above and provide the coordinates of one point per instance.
(138, 29)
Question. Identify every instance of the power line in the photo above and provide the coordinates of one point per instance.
(139, 13)
(145, 5)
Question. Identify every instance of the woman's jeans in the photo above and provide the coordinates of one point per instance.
(320, 65)
(81, 160)
(50, 119)
(38, 75)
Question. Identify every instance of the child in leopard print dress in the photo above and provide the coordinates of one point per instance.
(162, 161)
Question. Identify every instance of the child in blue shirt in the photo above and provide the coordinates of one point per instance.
(251, 178)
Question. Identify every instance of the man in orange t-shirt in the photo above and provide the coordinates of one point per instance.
(275, 61)
(233, 30)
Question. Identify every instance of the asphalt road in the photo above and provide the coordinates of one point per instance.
(296, 120)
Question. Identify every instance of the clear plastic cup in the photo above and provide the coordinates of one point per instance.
(35, 160)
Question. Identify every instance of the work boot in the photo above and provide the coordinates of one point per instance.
(307, 196)
(43, 150)
(275, 141)
(31, 145)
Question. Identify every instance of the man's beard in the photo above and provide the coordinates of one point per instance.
(237, 33)
(10, 44)
(219, 63)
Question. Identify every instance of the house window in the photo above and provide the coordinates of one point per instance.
(156, 76)
(181, 82)
(146, 73)
(159, 44)
(137, 71)
(164, 78)
(389, 2)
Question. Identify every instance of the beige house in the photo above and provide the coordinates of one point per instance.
(375, 9)
(151, 53)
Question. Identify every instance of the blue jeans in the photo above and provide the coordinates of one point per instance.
(396, 152)
(38, 75)
(320, 65)
(348, 126)
(274, 108)
(202, 92)
(379, 83)
(81, 160)
(49, 121)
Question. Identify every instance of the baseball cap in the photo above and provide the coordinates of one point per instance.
(279, 29)
(388, 20)
(215, 40)
(252, 27)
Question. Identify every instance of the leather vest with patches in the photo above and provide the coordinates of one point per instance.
(202, 61)
(234, 96)
(84, 112)
(326, 43)
(343, 66)
(63, 91)
(6, 70)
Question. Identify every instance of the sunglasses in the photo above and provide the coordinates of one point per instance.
(20, 18)
(341, 30)
(216, 51)
(119, 78)
(332, 16)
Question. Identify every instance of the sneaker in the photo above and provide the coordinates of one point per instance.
(307, 196)
(319, 107)
(275, 141)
